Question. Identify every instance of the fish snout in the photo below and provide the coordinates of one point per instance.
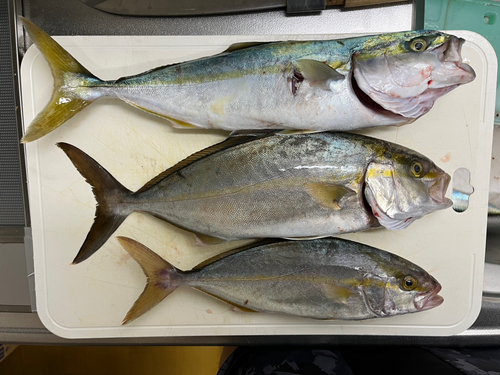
(437, 190)
(430, 299)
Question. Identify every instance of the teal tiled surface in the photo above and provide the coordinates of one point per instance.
(482, 17)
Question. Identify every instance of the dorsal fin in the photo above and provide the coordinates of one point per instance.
(228, 143)
(243, 45)
(206, 240)
(225, 254)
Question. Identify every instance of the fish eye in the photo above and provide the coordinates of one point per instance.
(416, 168)
(418, 45)
(409, 283)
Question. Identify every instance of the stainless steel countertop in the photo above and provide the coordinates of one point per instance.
(71, 17)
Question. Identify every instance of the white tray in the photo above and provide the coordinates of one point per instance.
(91, 299)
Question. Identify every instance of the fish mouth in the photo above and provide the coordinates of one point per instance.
(437, 190)
(450, 54)
(429, 300)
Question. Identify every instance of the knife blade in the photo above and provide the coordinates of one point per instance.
(182, 7)
(203, 7)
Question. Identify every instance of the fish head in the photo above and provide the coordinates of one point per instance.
(402, 186)
(404, 73)
(405, 289)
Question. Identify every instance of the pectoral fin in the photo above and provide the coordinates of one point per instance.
(317, 73)
(336, 292)
(328, 195)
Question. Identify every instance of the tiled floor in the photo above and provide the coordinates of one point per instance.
(129, 360)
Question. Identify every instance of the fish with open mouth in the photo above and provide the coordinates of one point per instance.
(326, 278)
(345, 84)
(263, 184)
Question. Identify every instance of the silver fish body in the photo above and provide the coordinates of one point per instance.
(322, 279)
(272, 185)
(389, 79)
(267, 97)
(278, 186)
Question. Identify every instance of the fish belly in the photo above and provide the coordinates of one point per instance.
(256, 102)
(281, 186)
(305, 299)
(257, 213)
(286, 279)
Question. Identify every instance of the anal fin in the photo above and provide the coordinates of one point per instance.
(304, 238)
(178, 124)
(296, 131)
(204, 240)
(237, 306)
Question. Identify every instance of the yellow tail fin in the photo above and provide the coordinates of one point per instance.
(158, 272)
(65, 102)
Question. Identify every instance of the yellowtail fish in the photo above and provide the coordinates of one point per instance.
(326, 278)
(260, 185)
(344, 84)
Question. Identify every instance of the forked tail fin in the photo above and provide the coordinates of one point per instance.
(108, 192)
(67, 72)
(159, 273)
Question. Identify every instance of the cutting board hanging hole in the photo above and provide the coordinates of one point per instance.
(462, 189)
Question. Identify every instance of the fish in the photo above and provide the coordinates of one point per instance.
(265, 184)
(328, 278)
(344, 84)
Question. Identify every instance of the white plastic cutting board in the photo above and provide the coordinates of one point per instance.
(91, 299)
